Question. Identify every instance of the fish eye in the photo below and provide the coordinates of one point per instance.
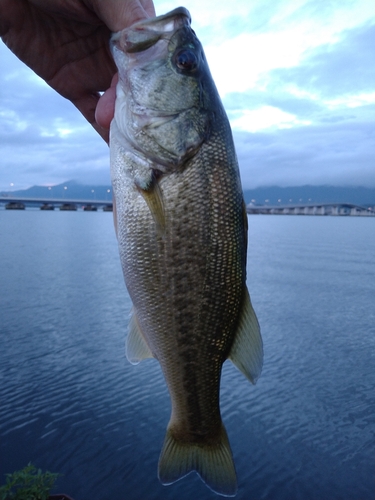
(186, 60)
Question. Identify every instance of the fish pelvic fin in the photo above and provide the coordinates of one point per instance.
(247, 349)
(152, 194)
(136, 344)
(212, 462)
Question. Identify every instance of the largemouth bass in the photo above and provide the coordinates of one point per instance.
(182, 233)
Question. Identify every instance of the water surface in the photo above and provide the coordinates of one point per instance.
(71, 403)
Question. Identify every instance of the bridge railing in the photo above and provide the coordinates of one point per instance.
(336, 209)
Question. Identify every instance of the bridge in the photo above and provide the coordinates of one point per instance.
(338, 209)
(62, 203)
(346, 209)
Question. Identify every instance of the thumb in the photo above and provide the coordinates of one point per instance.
(119, 14)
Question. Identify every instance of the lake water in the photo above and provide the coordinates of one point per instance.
(71, 403)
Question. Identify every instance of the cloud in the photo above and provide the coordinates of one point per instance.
(343, 68)
(43, 138)
(296, 78)
(265, 117)
(339, 154)
(263, 36)
(313, 122)
(330, 82)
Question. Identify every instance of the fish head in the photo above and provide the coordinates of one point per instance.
(165, 97)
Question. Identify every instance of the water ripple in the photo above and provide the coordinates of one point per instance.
(71, 403)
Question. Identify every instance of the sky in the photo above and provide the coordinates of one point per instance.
(296, 77)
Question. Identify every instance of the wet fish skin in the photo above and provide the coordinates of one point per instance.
(182, 233)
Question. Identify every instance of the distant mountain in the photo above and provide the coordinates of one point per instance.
(70, 190)
(275, 195)
(271, 195)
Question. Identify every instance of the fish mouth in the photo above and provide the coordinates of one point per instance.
(154, 22)
(146, 33)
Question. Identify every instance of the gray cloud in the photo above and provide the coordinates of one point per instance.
(329, 72)
(35, 145)
(340, 154)
(302, 107)
(337, 147)
(346, 67)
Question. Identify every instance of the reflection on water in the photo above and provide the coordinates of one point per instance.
(70, 402)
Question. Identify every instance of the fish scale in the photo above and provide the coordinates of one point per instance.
(182, 234)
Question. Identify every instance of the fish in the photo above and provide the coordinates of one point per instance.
(181, 226)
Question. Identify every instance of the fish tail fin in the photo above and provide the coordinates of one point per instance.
(213, 463)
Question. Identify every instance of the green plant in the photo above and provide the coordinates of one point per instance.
(29, 483)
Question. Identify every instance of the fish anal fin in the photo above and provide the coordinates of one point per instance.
(247, 349)
(136, 345)
(213, 463)
(153, 196)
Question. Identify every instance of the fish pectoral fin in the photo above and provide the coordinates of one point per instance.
(153, 196)
(247, 349)
(213, 463)
(136, 345)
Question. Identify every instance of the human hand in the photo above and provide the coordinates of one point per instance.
(66, 42)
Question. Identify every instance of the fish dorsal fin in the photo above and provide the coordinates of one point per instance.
(247, 349)
(153, 196)
(136, 345)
